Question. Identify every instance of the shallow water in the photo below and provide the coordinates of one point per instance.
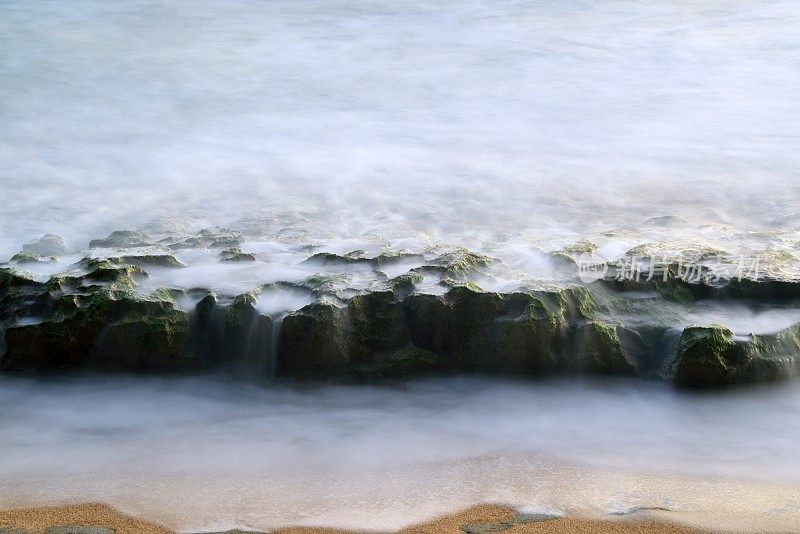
(204, 453)
(460, 121)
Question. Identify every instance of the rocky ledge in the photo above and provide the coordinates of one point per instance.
(102, 314)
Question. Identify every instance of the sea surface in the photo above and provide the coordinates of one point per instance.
(513, 128)
(530, 122)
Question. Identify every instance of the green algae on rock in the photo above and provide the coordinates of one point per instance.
(712, 356)
(436, 316)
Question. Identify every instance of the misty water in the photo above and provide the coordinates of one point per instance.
(208, 453)
(514, 128)
(471, 121)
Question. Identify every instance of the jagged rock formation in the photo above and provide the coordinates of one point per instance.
(103, 313)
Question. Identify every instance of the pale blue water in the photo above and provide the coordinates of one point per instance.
(208, 453)
(500, 117)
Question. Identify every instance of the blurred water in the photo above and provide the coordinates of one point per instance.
(455, 118)
(508, 121)
(203, 453)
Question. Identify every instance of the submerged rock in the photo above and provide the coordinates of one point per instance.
(27, 257)
(236, 254)
(47, 245)
(215, 237)
(149, 260)
(327, 258)
(122, 239)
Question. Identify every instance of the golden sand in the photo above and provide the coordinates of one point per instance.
(99, 515)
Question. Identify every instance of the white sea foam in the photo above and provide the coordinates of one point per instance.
(534, 122)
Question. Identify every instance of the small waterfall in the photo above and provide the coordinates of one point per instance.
(275, 338)
(256, 358)
(666, 349)
(207, 321)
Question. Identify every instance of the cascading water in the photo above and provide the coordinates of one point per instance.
(257, 358)
(274, 343)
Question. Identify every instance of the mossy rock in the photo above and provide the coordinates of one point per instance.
(600, 351)
(461, 263)
(328, 258)
(774, 356)
(377, 324)
(215, 237)
(122, 239)
(235, 254)
(404, 284)
(145, 343)
(107, 329)
(706, 356)
(515, 332)
(149, 260)
(710, 356)
(314, 342)
(27, 257)
(13, 279)
(97, 273)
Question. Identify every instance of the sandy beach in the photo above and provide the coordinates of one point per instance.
(476, 520)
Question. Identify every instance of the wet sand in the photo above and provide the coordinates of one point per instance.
(476, 520)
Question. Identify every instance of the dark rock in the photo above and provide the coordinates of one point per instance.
(12, 280)
(377, 324)
(710, 356)
(20, 296)
(314, 341)
(107, 330)
(95, 274)
(600, 350)
(460, 263)
(517, 332)
(706, 356)
(376, 335)
(404, 284)
(234, 335)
